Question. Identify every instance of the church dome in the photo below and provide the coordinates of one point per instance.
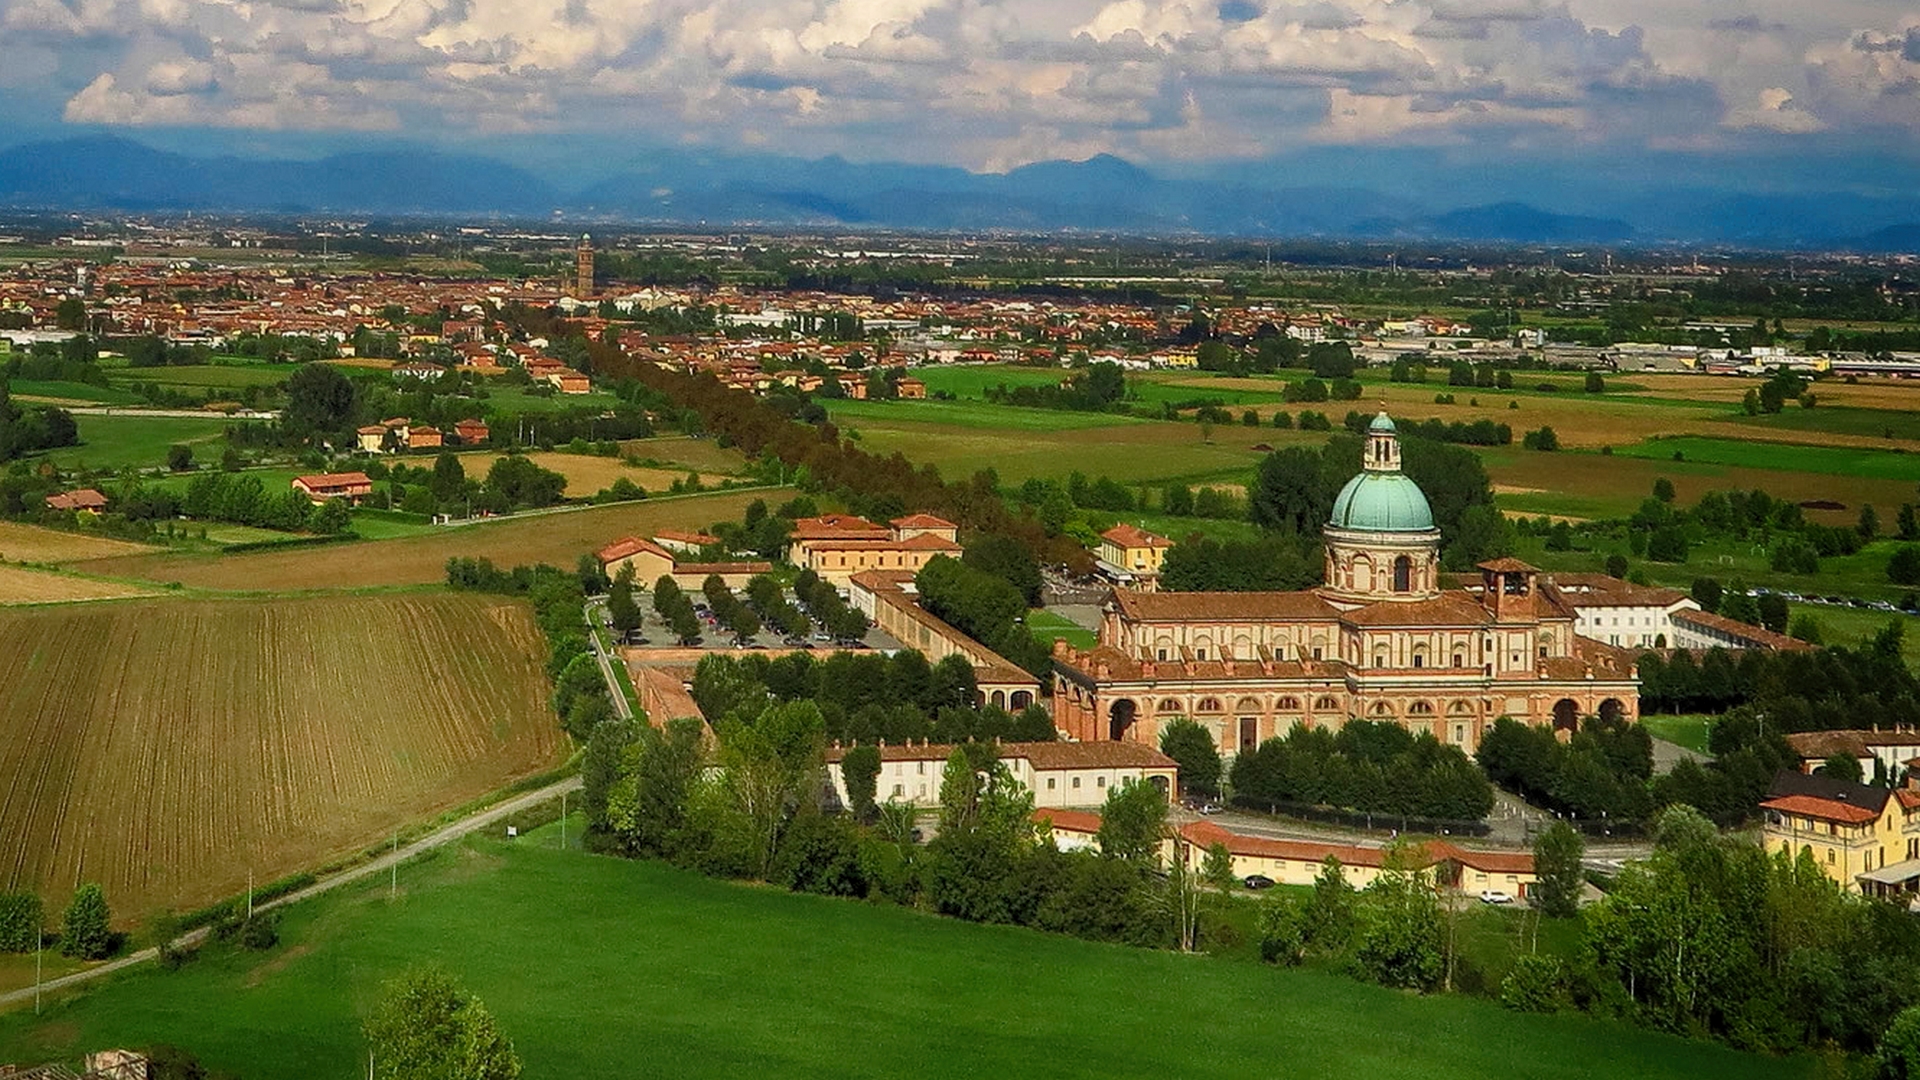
(1382, 502)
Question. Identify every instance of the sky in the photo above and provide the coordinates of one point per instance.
(989, 86)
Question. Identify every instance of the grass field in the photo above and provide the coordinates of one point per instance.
(1685, 730)
(511, 400)
(206, 376)
(30, 543)
(587, 474)
(1048, 628)
(684, 451)
(971, 414)
(112, 442)
(1589, 485)
(69, 392)
(1854, 463)
(559, 538)
(167, 748)
(594, 964)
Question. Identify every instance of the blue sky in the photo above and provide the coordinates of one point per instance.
(1791, 93)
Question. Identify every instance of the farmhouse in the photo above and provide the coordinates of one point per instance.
(320, 487)
(1380, 640)
(85, 499)
(838, 546)
(1060, 774)
(650, 561)
(372, 438)
(471, 432)
(424, 438)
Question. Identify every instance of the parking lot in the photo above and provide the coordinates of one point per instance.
(655, 633)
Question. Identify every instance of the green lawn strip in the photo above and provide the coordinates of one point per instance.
(1838, 420)
(1863, 574)
(1853, 626)
(224, 376)
(586, 960)
(1048, 627)
(1685, 730)
(1785, 457)
(514, 400)
(1177, 528)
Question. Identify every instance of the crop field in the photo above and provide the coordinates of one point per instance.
(586, 960)
(22, 586)
(556, 538)
(166, 748)
(1589, 485)
(979, 414)
(1887, 427)
(30, 543)
(111, 442)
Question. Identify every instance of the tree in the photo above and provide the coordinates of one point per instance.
(1557, 854)
(1899, 1052)
(1133, 822)
(1217, 866)
(449, 478)
(1616, 565)
(1773, 611)
(1402, 942)
(1543, 439)
(622, 608)
(70, 314)
(1707, 592)
(1908, 523)
(1842, 767)
(1807, 628)
(1869, 525)
(1290, 492)
(179, 457)
(771, 764)
(1663, 489)
(84, 932)
(1330, 912)
(860, 768)
(1904, 567)
(1189, 744)
(1595, 384)
(427, 1028)
(1667, 544)
(320, 401)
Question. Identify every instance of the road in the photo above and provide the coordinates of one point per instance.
(440, 838)
(614, 691)
(179, 414)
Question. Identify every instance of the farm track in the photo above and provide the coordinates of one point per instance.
(166, 748)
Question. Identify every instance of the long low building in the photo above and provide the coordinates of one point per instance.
(889, 600)
(1060, 774)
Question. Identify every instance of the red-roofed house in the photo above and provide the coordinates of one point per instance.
(1060, 774)
(651, 560)
(471, 432)
(85, 499)
(1131, 557)
(352, 486)
(838, 546)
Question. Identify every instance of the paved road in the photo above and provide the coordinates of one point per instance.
(620, 705)
(184, 414)
(465, 826)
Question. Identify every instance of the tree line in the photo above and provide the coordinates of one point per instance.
(1365, 766)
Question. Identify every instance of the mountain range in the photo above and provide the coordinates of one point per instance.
(1103, 194)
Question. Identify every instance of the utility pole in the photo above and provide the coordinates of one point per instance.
(393, 887)
(563, 821)
(39, 950)
(249, 896)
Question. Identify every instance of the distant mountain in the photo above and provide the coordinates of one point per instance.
(1280, 199)
(114, 173)
(1892, 239)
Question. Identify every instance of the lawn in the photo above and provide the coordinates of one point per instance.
(593, 964)
(1048, 628)
(971, 414)
(1686, 730)
(511, 400)
(208, 376)
(1853, 626)
(114, 442)
(1873, 423)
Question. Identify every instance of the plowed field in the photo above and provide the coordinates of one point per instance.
(165, 749)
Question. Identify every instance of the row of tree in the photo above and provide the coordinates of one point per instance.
(1601, 773)
(1366, 766)
(985, 607)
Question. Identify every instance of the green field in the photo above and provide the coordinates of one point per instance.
(71, 391)
(1685, 730)
(1874, 423)
(1852, 626)
(1048, 627)
(971, 414)
(224, 376)
(588, 961)
(113, 442)
(513, 400)
(1784, 457)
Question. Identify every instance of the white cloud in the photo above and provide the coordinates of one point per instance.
(984, 82)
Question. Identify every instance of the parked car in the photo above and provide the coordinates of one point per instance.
(1258, 881)
(1495, 896)
(1209, 809)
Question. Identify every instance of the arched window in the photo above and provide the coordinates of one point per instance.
(1247, 705)
(1210, 704)
(1420, 708)
(1381, 708)
(1460, 707)
(1403, 574)
(1167, 705)
(1420, 656)
(1459, 659)
(1324, 704)
(1288, 704)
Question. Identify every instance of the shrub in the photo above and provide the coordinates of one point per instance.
(20, 922)
(85, 934)
(262, 931)
(1535, 984)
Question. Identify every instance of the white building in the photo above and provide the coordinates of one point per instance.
(1060, 774)
(1622, 613)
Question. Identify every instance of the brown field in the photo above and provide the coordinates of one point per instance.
(587, 475)
(22, 586)
(30, 543)
(167, 748)
(559, 538)
(1870, 393)
(1592, 485)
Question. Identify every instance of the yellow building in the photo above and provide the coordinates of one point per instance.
(838, 546)
(1865, 838)
(1132, 557)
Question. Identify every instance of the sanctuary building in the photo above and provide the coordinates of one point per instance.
(1381, 639)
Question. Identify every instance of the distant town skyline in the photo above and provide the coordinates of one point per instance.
(985, 86)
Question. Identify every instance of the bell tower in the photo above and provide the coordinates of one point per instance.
(583, 268)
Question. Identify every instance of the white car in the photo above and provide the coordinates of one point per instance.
(1495, 896)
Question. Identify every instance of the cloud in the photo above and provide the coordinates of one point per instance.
(981, 82)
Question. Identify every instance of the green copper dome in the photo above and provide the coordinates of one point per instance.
(1382, 502)
(1382, 422)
